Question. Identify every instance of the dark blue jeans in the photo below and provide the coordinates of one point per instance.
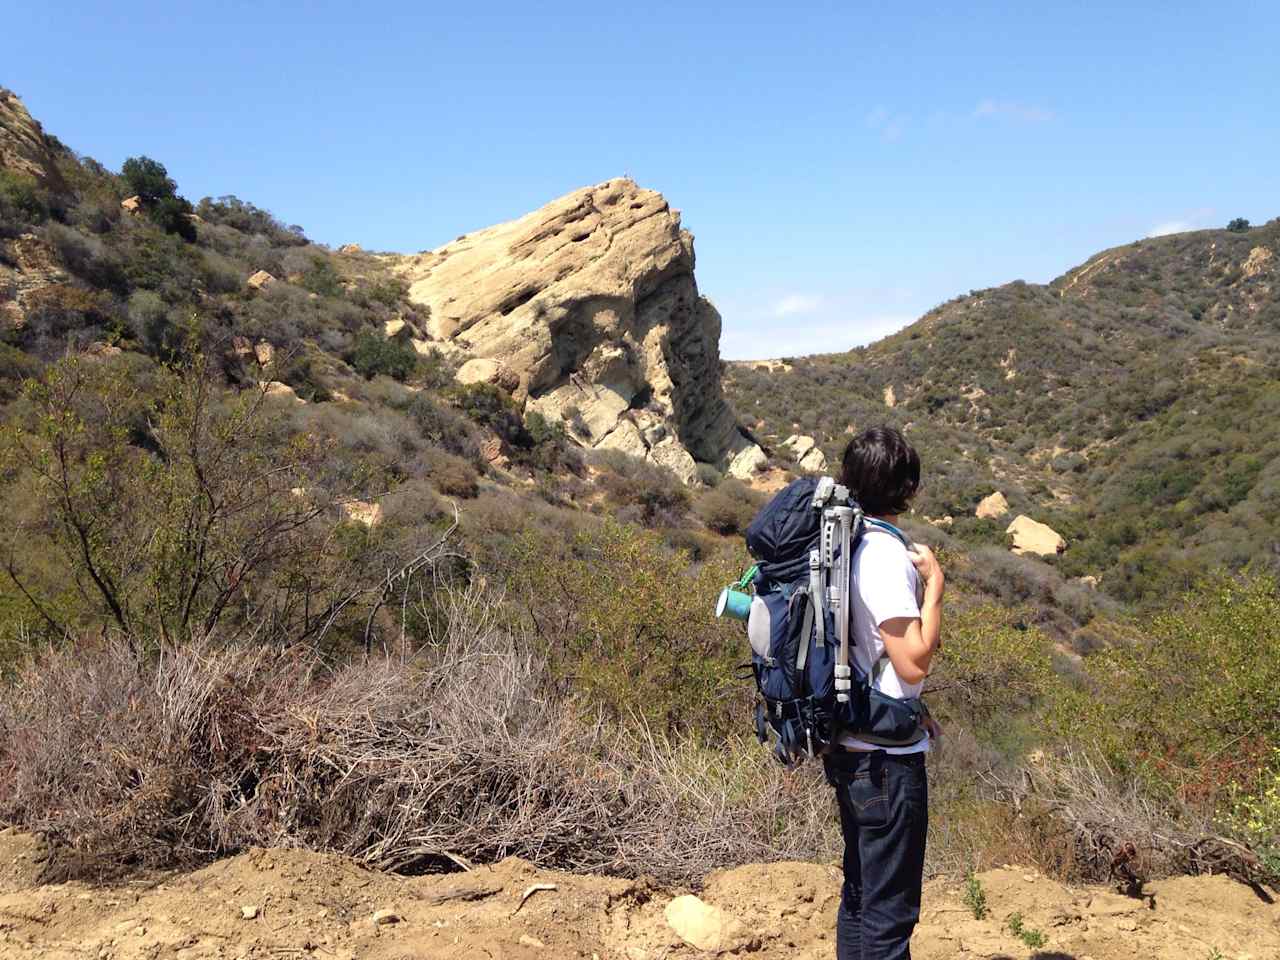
(884, 813)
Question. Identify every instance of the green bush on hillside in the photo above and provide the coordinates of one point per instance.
(375, 355)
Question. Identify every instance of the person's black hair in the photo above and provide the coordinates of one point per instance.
(881, 470)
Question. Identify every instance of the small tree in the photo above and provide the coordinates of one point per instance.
(374, 354)
(1238, 225)
(148, 179)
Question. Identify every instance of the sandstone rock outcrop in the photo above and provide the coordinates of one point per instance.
(24, 148)
(591, 304)
(274, 388)
(482, 370)
(1032, 536)
(992, 507)
(815, 461)
(361, 511)
(261, 279)
(749, 461)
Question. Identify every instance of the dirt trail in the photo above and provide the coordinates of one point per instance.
(286, 903)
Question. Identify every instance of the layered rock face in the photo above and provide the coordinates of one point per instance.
(23, 144)
(590, 309)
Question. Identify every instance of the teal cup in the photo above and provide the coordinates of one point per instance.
(733, 603)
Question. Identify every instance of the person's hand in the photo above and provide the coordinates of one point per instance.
(926, 565)
(932, 727)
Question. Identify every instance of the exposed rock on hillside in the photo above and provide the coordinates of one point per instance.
(992, 507)
(590, 303)
(23, 144)
(1032, 536)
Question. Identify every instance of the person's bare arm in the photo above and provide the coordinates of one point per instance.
(911, 642)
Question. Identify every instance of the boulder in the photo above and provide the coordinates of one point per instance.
(274, 388)
(101, 349)
(483, 370)
(1088, 580)
(799, 445)
(1031, 536)
(749, 461)
(705, 927)
(670, 454)
(350, 248)
(131, 205)
(264, 352)
(625, 437)
(591, 304)
(815, 461)
(360, 511)
(260, 279)
(393, 327)
(241, 347)
(992, 507)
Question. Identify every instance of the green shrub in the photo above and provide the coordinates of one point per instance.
(1034, 939)
(646, 493)
(173, 215)
(22, 203)
(451, 475)
(975, 898)
(728, 508)
(374, 354)
(443, 427)
(626, 624)
(320, 278)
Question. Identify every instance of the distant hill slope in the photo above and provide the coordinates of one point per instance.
(1134, 403)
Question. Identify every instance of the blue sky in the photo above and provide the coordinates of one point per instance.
(844, 167)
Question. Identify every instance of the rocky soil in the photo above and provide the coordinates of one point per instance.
(288, 903)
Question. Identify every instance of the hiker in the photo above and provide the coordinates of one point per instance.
(896, 610)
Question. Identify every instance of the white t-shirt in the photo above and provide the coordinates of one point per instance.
(886, 585)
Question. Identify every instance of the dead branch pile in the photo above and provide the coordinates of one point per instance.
(453, 756)
(1114, 831)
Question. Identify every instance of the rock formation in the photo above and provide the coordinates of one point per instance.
(590, 304)
(1032, 536)
(992, 507)
(23, 145)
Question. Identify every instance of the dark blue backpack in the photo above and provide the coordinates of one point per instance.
(812, 690)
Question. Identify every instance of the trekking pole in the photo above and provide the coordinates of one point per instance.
(840, 602)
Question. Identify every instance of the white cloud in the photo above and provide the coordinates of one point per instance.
(795, 304)
(1026, 113)
(1171, 226)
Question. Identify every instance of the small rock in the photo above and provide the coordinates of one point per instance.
(529, 941)
(249, 912)
(384, 917)
(701, 925)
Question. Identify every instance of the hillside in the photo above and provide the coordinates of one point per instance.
(1132, 403)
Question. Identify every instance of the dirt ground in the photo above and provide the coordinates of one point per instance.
(289, 903)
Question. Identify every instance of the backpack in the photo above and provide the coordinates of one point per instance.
(812, 690)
